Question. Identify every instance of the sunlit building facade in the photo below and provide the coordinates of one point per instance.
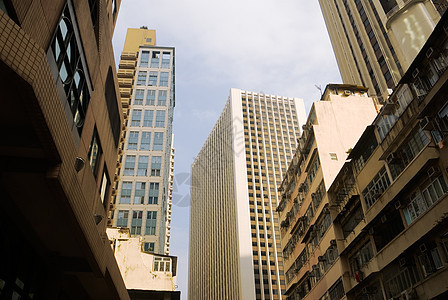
(144, 178)
(375, 41)
(235, 250)
(334, 125)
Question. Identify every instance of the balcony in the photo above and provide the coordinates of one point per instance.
(125, 73)
(129, 55)
(127, 64)
(125, 92)
(125, 82)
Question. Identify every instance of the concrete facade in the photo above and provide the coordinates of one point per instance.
(308, 239)
(388, 204)
(61, 126)
(144, 178)
(234, 233)
(142, 270)
(375, 41)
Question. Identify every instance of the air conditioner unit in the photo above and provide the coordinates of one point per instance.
(426, 123)
(415, 73)
(388, 107)
(422, 247)
(402, 262)
(390, 158)
(433, 171)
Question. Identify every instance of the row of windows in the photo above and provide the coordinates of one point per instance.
(145, 141)
(157, 57)
(140, 196)
(153, 78)
(151, 96)
(137, 222)
(148, 118)
(142, 165)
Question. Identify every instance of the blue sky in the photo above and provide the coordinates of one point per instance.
(274, 46)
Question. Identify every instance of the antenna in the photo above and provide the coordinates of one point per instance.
(320, 89)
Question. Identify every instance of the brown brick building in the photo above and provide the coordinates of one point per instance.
(61, 124)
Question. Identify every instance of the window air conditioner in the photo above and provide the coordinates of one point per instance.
(390, 158)
(426, 123)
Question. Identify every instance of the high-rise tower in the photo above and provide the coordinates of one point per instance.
(376, 40)
(142, 191)
(235, 250)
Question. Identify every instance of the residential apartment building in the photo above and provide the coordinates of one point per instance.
(61, 125)
(390, 201)
(143, 187)
(235, 250)
(375, 41)
(308, 238)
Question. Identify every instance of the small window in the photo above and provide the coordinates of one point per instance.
(95, 152)
(333, 156)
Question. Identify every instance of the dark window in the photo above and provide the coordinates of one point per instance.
(71, 68)
(112, 107)
(95, 152)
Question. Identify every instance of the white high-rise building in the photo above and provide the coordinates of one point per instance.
(235, 250)
(143, 191)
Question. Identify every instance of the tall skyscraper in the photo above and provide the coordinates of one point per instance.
(61, 123)
(235, 250)
(143, 189)
(375, 41)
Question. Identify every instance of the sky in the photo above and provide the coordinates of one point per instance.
(278, 47)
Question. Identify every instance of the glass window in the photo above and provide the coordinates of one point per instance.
(129, 165)
(141, 78)
(151, 223)
(71, 69)
(158, 141)
(153, 194)
(166, 60)
(136, 224)
(133, 140)
(138, 98)
(136, 117)
(148, 118)
(105, 184)
(148, 247)
(155, 59)
(126, 190)
(150, 97)
(160, 118)
(139, 193)
(95, 152)
(161, 99)
(122, 219)
(144, 59)
(376, 187)
(164, 78)
(145, 141)
(156, 165)
(142, 169)
(152, 78)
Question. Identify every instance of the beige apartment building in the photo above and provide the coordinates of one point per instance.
(144, 175)
(235, 250)
(375, 41)
(388, 204)
(390, 201)
(308, 238)
(61, 125)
